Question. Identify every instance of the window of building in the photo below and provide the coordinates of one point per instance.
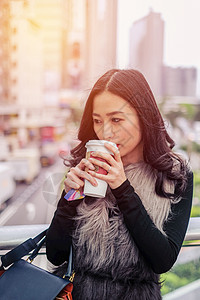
(14, 30)
(14, 81)
(14, 64)
(14, 47)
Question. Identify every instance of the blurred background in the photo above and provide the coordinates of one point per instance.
(51, 53)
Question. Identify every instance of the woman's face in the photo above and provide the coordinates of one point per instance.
(116, 121)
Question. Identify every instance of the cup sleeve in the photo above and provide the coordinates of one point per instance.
(74, 195)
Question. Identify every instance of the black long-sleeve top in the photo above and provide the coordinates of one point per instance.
(159, 250)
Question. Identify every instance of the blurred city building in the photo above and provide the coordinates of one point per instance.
(21, 69)
(146, 55)
(4, 51)
(21, 56)
(51, 15)
(179, 81)
(49, 45)
(90, 42)
(90, 45)
(101, 38)
(146, 48)
(26, 60)
(49, 52)
(74, 44)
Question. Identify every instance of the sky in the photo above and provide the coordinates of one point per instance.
(182, 24)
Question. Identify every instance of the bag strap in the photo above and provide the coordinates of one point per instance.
(37, 249)
(33, 244)
(23, 249)
(70, 267)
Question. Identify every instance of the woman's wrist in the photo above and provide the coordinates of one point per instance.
(118, 191)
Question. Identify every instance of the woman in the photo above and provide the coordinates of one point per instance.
(123, 241)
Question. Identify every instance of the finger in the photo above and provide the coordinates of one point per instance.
(108, 158)
(88, 164)
(100, 163)
(72, 178)
(85, 163)
(82, 174)
(71, 185)
(114, 150)
(98, 175)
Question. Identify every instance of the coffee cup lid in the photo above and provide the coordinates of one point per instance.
(99, 142)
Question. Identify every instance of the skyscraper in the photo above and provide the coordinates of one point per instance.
(179, 81)
(101, 36)
(4, 51)
(51, 15)
(146, 48)
(20, 51)
(74, 44)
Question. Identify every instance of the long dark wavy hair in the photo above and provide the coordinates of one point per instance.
(157, 150)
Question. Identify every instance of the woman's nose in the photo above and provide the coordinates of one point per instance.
(107, 131)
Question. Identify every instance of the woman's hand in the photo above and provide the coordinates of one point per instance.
(75, 177)
(113, 165)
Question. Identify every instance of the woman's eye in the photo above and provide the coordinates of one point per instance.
(116, 120)
(96, 121)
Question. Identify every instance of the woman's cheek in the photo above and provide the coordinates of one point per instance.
(99, 134)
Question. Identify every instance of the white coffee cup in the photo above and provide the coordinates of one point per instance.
(98, 191)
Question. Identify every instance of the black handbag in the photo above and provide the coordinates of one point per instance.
(25, 281)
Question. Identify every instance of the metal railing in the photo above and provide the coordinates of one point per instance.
(11, 236)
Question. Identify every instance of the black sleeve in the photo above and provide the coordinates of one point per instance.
(58, 239)
(160, 251)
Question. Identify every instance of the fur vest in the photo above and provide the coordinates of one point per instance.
(107, 262)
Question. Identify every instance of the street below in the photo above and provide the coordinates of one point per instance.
(35, 203)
